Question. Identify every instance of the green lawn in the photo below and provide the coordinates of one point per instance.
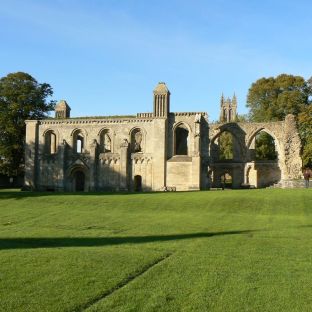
(248, 250)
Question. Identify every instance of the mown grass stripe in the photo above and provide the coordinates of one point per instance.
(121, 284)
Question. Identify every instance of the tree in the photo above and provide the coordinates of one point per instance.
(225, 146)
(271, 99)
(265, 147)
(21, 98)
(305, 130)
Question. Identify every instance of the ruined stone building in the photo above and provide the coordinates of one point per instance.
(162, 150)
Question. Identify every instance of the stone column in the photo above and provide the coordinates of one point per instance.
(93, 166)
(196, 170)
(61, 166)
(159, 142)
(31, 154)
(124, 165)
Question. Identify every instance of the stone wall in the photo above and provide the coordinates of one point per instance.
(257, 173)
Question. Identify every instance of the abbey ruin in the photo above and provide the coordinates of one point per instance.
(155, 151)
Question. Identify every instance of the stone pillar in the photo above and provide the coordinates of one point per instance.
(124, 165)
(93, 166)
(31, 154)
(252, 150)
(160, 142)
(61, 166)
(292, 147)
(197, 135)
(196, 169)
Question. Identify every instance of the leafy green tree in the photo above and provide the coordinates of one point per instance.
(305, 130)
(265, 147)
(243, 118)
(271, 99)
(21, 98)
(225, 146)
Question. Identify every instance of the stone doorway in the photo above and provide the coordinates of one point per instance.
(137, 183)
(79, 181)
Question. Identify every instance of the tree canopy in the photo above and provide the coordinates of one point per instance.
(271, 99)
(305, 130)
(21, 98)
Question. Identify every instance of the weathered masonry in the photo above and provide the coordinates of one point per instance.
(153, 151)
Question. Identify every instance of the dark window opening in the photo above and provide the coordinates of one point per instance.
(181, 147)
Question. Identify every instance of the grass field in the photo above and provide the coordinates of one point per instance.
(199, 251)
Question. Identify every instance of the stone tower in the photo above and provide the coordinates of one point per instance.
(62, 110)
(161, 100)
(228, 109)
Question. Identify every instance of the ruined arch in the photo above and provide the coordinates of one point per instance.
(238, 139)
(253, 134)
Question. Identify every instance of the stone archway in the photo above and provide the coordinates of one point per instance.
(257, 172)
(78, 178)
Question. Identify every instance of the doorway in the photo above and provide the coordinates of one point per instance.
(79, 181)
(137, 183)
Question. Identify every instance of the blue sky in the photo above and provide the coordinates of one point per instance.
(105, 57)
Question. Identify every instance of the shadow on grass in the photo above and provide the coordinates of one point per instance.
(54, 242)
(21, 194)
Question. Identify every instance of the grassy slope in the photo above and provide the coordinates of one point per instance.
(229, 251)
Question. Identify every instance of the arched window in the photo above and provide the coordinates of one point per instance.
(181, 140)
(105, 142)
(50, 142)
(136, 141)
(79, 142)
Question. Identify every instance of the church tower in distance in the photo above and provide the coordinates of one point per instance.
(228, 109)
